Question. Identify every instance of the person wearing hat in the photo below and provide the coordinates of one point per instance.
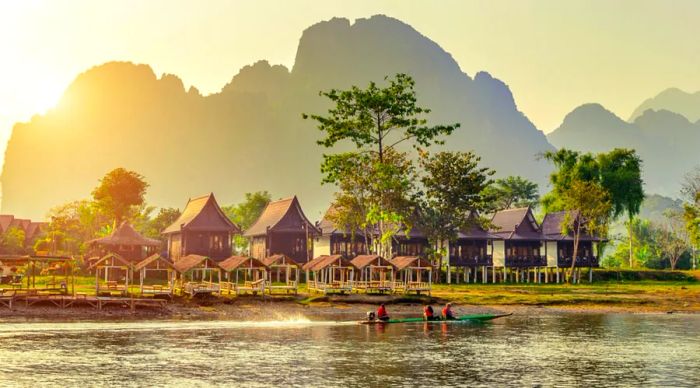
(447, 312)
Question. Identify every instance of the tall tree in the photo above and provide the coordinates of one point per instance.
(376, 120)
(453, 183)
(246, 213)
(588, 212)
(691, 217)
(672, 238)
(120, 191)
(512, 191)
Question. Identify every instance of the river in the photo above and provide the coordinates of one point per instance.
(544, 350)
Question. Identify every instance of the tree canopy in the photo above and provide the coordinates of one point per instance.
(511, 192)
(119, 192)
(246, 213)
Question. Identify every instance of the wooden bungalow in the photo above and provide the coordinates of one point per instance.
(410, 242)
(333, 240)
(202, 229)
(327, 274)
(520, 250)
(112, 275)
(196, 274)
(162, 279)
(373, 273)
(126, 243)
(472, 251)
(282, 229)
(283, 274)
(243, 274)
(559, 247)
(413, 274)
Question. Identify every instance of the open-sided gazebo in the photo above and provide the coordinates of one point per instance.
(373, 273)
(163, 283)
(60, 268)
(283, 273)
(243, 274)
(326, 274)
(414, 274)
(125, 242)
(112, 274)
(196, 274)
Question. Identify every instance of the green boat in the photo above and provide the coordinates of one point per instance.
(463, 318)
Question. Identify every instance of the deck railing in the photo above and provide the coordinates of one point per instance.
(476, 261)
(581, 261)
(526, 261)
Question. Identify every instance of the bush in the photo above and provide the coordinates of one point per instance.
(636, 275)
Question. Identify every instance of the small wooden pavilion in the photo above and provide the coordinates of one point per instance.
(285, 271)
(243, 274)
(164, 272)
(327, 274)
(282, 228)
(414, 274)
(202, 229)
(112, 275)
(373, 273)
(60, 268)
(126, 243)
(196, 274)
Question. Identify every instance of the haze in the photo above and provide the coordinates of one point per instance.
(554, 55)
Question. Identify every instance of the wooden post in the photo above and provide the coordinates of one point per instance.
(590, 274)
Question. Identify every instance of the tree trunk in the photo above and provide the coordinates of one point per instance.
(629, 232)
(577, 234)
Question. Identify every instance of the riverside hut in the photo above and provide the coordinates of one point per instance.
(202, 229)
(243, 274)
(161, 281)
(282, 229)
(472, 252)
(19, 273)
(410, 242)
(373, 273)
(112, 275)
(334, 240)
(414, 274)
(519, 253)
(283, 274)
(126, 243)
(328, 274)
(559, 247)
(197, 274)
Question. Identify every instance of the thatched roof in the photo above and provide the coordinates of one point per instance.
(324, 261)
(362, 261)
(280, 260)
(202, 214)
(189, 262)
(516, 224)
(403, 262)
(152, 259)
(110, 259)
(125, 234)
(284, 215)
(236, 262)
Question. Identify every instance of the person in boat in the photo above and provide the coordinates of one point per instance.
(382, 315)
(447, 312)
(428, 313)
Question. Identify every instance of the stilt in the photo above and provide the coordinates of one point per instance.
(590, 274)
(557, 269)
(493, 280)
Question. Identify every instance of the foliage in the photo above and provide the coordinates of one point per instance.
(246, 213)
(120, 193)
(589, 211)
(690, 186)
(673, 238)
(72, 225)
(453, 183)
(12, 241)
(510, 192)
(153, 227)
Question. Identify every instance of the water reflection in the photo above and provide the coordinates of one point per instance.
(586, 350)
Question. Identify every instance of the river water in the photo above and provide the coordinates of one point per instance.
(542, 350)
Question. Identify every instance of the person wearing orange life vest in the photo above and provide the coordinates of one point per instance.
(428, 313)
(382, 315)
(447, 312)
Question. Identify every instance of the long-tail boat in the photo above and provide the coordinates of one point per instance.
(463, 318)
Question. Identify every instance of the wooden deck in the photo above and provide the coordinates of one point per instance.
(65, 301)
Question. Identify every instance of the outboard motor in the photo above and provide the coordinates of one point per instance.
(371, 316)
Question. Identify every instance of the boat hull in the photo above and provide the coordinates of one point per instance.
(463, 318)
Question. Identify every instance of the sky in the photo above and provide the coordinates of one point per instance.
(554, 55)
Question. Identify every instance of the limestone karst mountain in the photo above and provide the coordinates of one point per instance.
(666, 141)
(673, 100)
(250, 136)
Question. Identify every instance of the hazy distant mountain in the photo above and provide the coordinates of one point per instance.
(666, 141)
(674, 100)
(250, 136)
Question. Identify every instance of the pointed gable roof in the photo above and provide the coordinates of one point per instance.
(403, 262)
(202, 214)
(516, 224)
(189, 262)
(35, 228)
(362, 261)
(282, 215)
(475, 231)
(552, 226)
(125, 234)
(154, 258)
(280, 260)
(324, 261)
(243, 262)
(5, 221)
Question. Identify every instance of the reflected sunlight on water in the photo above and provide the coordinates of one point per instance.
(546, 349)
